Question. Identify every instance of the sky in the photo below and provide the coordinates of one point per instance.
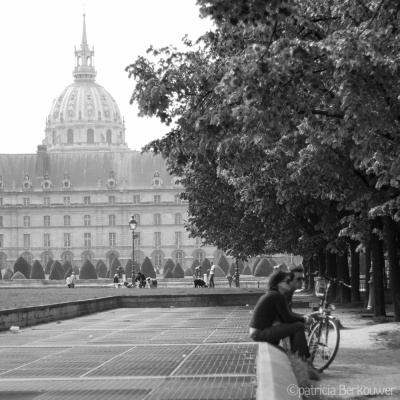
(37, 42)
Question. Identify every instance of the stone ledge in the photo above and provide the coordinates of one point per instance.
(274, 373)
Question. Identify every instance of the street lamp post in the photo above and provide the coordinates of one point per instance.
(132, 227)
(237, 273)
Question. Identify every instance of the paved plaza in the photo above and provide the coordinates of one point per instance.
(146, 353)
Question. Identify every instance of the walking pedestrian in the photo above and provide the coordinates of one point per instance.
(230, 279)
(73, 279)
(68, 280)
(116, 281)
(212, 272)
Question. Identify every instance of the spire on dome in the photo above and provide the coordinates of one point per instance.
(84, 39)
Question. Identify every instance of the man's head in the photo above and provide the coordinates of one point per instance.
(296, 274)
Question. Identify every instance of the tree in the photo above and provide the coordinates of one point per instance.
(128, 268)
(136, 267)
(18, 275)
(195, 264)
(48, 266)
(205, 265)
(219, 272)
(101, 269)
(247, 270)
(224, 264)
(283, 265)
(98, 263)
(88, 271)
(189, 272)
(147, 268)
(178, 272)
(76, 270)
(168, 274)
(37, 271)
(22, 266)
(68, 272)
(108, 274)
(169, 264)
(67, 266)
(264, 268)
(258, 259)
(56, 271)
(8, 274)
(294, 136)
(115, 264)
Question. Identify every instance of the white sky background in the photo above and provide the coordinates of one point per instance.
(37, 41)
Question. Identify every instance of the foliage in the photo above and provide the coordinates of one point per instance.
(232, 269)
(224, 264)
(22, 266)
(68, 272)
(169, 264)
(219, 272)
(147, 268)
(37, 271)
(76, 270)
(205, 265)
(258, 259)
(128, 268)
(241, 266)
(247, 270)
(56, 271)
(178, 272)
(98, 263)
(283, 266)
(272, 261)
(264, 268)
(168, 274)
(67, 266)
(8, 274)
(195, 264)
(136, 267)
(101, 269)
(18, 275)
(189, 272)
(88, 271)
(108, 274)
(115, 264)
(48, 266)
(1, 277)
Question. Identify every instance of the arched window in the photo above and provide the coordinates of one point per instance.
(90, 136)
(157, 219)
(67, 257)
(46, 220)
(89, 61)
(67, 220)
(87, 256)
(70, 136)
(157, 258)
(179, 258)
(87, 221)
(199, 255)
(111, 219)
(28, 257)
(111, 257)
(108, 136)
(46, 257)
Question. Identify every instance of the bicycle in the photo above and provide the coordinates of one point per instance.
(324, 337)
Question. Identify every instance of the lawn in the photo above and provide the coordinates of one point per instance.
(35, 296)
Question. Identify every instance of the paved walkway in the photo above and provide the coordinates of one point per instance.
(154, 353)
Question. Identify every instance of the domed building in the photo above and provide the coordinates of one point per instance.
(73, 199)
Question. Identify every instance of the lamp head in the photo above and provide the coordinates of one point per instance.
(132, 223)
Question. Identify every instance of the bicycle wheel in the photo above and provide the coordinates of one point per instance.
(323, 343)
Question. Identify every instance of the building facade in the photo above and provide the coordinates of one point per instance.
(73, 199)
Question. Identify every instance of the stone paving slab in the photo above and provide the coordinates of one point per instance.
(175, 353)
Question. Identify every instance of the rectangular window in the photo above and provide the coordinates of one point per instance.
(27, 201)
(87, 220)
(157, 238)
(46, 220)
(1, 240)
(46, 240)
(27, 220)
(112, 238)
(137, 239)
(67, 220)
(178, 219)
(136, 199)
(111, 220)
(178, 238)
(157, 199)
(1, 221)
(46, 201)
(86, 200)
(67, 240)
(111, 199)
(27, 241)
(137, 219)
(67, 201)
(88, 239)
(157, 219)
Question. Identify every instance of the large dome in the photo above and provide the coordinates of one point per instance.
(84, 116)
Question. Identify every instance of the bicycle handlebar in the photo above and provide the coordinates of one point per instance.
(339, 282)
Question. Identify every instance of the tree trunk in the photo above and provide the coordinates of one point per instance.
(344, 294)
(367, 272)
(390, 234)
(378, 263)
(331, 270)
(313, 267)
(321, 263)
(306, 266)
(355, 272)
